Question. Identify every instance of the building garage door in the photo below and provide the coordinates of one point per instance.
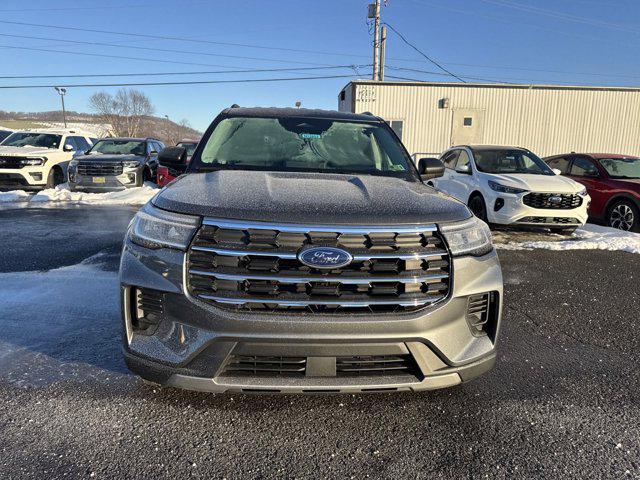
(467, 127)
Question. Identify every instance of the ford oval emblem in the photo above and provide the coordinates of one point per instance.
(325, 257)
(555, 199)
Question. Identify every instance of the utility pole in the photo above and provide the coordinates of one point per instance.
(374, 12)
(383, 49)
(62, 91)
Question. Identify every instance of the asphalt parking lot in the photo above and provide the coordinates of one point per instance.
(563, 401)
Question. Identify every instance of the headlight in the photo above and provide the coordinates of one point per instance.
(471, 237)
(131, 164)
(498, 187)
(73, 163)
(32, 162)
(155, 228)
(583, 192)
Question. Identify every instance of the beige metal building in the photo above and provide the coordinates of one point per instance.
(547, 119)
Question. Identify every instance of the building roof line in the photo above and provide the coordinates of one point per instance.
(495, 85)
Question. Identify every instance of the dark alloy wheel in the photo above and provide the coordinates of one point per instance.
(478, 207)
(623, 215)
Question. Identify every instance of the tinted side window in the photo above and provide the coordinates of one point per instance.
(561, 163)
(463, 159)
(81, 143)
(450, 158)
(71, 141)
(583, 167)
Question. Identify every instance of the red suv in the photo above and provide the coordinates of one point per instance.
(612, 181)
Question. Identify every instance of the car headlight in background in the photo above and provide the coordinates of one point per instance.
(471, 237)
(583, 192)
(155, 228)
(131, 164)
(498, 187)
(33, 162)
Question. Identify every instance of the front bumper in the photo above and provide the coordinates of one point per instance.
(514, 212)
(129, 178)
(26, 178)
(194, 341)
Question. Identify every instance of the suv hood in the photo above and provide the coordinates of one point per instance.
(536, 183)
(22, 151)
(108, 158)
(319, 198)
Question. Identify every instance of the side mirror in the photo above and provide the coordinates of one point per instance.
(463, 169)
(67, 148)
(174, 157)
(556, 171)
(429, 168)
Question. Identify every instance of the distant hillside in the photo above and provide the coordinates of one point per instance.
(161, 128)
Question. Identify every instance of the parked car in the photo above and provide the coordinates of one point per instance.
(613, 182)
(302, 253)
(512, 186)
(4, 133)
(115, 164)
(168, 173)
(35, 159)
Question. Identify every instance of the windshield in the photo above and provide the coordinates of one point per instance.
(510, 161)
(4, 134)
(621, 167)
(304, 144)
(191, 147)
(25, 139)
(119, 147)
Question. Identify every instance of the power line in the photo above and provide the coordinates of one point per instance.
(562, 16)
(205, 72)
(104, 55)
(423, 54)
(195, 82)
(180, 39)
(154, 49)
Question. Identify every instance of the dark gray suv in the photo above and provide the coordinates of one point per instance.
(303, 253)
(115, 164)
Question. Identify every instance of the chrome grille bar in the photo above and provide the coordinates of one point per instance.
(291, 255)
(304, 228)
(325, 279)
(321, 301)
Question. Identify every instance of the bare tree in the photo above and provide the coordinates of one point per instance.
(174, 132)
(125, 111)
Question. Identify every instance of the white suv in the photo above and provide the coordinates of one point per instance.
(512, 186)
(37, 159)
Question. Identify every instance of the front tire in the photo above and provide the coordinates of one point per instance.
(55, 177)
(624, 215)
(478, 207)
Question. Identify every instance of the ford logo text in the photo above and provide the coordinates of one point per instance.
(325, 257)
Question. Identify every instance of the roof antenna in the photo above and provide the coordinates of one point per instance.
(235, 105)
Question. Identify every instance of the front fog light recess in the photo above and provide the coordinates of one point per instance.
(471, 237)
(156, 228)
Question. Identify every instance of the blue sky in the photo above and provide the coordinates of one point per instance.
(547, 41)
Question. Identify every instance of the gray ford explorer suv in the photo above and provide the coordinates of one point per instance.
(115, 164)
(303, 253)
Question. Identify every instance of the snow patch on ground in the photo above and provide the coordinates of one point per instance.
(43, 311)
(62, 194)
(14, 196)
(589, 237)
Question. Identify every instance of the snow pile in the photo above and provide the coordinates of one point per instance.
(14, 196)
(589, 237)
(62, 194)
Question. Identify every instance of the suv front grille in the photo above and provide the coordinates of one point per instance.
(11, 162)
(557, 201)
(99, 169)
(255, 266)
